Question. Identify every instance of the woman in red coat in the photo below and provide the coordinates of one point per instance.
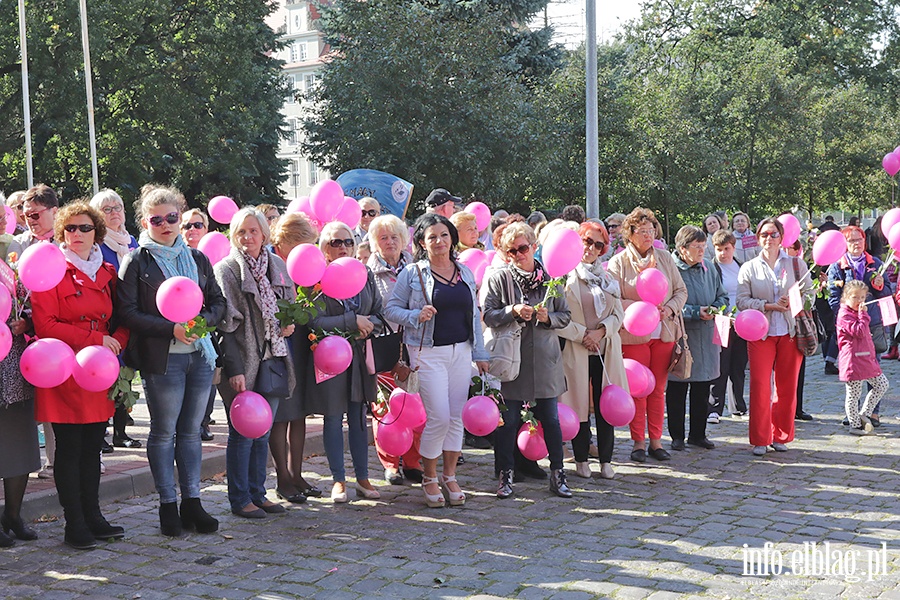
(78, 312)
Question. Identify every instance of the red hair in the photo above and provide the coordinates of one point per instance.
(591, 226)
(850, 229)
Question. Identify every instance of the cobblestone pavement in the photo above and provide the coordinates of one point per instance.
(660, 530)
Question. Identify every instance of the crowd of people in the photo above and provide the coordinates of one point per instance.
(570, 345)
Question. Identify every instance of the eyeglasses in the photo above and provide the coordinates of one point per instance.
(338, 243)
(588, 242)
(646, 232)
(523, 250)
(271, 218)
(113, 209)
(613, 226)
(697, 247)
(34, 216)
(81, 228)
(370, 213)
(855, 240)
(194, 225)
(171, 219)
(769, 234)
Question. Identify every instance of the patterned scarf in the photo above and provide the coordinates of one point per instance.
(528, 282)
(401, 263)
(265, 300)
(90, 266)
(177, 260)
(641, 262)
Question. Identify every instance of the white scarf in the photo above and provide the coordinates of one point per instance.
(600, 284)
(641, 262)
(90, 266)
(118, 241)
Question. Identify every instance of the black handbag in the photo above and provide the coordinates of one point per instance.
(271, 378)
(386, 347)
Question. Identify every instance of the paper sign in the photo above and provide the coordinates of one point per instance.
(320, 376)
(722, 331)
(8, 277)
(888, 311)
(796, 299)
(749, 242)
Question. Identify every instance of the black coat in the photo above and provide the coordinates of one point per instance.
(152, 333)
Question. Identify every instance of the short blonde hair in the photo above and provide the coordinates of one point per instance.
(330, 229)
(240, 216)
(294, 229)
(195, 212)
(462, 217)
(852, 286)
(387, 224)
(514, 230)
(74, 209)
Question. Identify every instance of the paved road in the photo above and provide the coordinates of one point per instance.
(668, 530)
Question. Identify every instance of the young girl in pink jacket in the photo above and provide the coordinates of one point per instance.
(857, 359)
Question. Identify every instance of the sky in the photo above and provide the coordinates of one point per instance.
(567, 18)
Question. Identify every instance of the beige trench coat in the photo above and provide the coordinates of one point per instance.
(575, 355)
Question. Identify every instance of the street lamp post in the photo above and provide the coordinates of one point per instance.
(592, 162)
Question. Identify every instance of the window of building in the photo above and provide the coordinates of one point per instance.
(292, 132)
(295, 173)
(313, 174)
(298, 52)
(291, 85)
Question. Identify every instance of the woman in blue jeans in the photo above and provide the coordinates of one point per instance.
(253, 280)
(349, 392)
(177, 368)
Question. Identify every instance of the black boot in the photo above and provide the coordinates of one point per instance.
(78, 535)
(558, 484)
(504, 484)
(18, 527)
(193, 516)
(100, 527)
(169, 523)
(6, 541)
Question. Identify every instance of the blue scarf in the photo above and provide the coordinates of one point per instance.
(177, 260)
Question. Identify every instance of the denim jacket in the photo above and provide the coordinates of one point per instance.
(407, 302)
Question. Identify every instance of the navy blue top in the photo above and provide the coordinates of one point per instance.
(110, 256)
(454, 305)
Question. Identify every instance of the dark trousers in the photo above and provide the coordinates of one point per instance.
(76, 467)
(733, 366)
(676, 395)
(606, 434)
(505, 437)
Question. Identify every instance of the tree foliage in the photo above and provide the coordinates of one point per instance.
(186, 92)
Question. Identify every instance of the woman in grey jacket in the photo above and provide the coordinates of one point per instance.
(704, 291)
(435, 300)
(541, 376)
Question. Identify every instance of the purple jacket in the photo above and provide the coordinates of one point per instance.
(856, 351)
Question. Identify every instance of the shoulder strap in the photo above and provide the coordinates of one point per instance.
(262, 352)
(427, 301)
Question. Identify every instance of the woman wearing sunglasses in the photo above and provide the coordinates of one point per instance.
(763, 284)
(194, 225)
(436, 301)
(592, 356)
(79, 311)
(349, 392)
(177, 368)
(518, 292)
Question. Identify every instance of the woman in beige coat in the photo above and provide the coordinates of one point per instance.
(654, 350)
(595, 302)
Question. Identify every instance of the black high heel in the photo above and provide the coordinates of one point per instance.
(18, 527)
(6, 541)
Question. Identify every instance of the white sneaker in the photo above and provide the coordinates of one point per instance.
(713, 417)
(779, 447)
(866, 424)
(759, 450)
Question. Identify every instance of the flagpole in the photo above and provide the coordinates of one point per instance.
(89, 91)
(26, 95)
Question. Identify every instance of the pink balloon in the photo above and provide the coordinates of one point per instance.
(306, 264)
(641, 318)
(656, 244)
(333, 355)
(179, 299)
(532, 444)
(394, 438)
(891, 163)
(47, 363)
(890, 218)
(479, 272)
(893, 236)
(489, 256)
(751, 325)
(480, 415)
(472, 258)
(562, 251)
(407, 409)
(10, 219)
(350, 212)
(41, 267)
(638, 382)
(5, 304)
(829, 247)
(651, 382)
(616, 406)
(96, 368)
(250, 415)
(482, 214)
(326, 199)
(221, 209)
(652, 286)
(6, 341)
(791, 230)
(215, 246)
(569, 423)
(344, 278)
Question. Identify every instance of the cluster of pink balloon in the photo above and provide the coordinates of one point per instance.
(48, 362)
(642, 317)
(477, 261)
(890, 227)
(326, 202)
(406, 415)
(251, 414)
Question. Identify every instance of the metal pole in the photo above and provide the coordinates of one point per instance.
(26, 95)
(89, 90)
(592, 166)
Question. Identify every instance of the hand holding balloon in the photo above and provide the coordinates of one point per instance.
(18, 326)
(238, 383)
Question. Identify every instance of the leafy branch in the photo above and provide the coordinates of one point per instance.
(306, 306)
